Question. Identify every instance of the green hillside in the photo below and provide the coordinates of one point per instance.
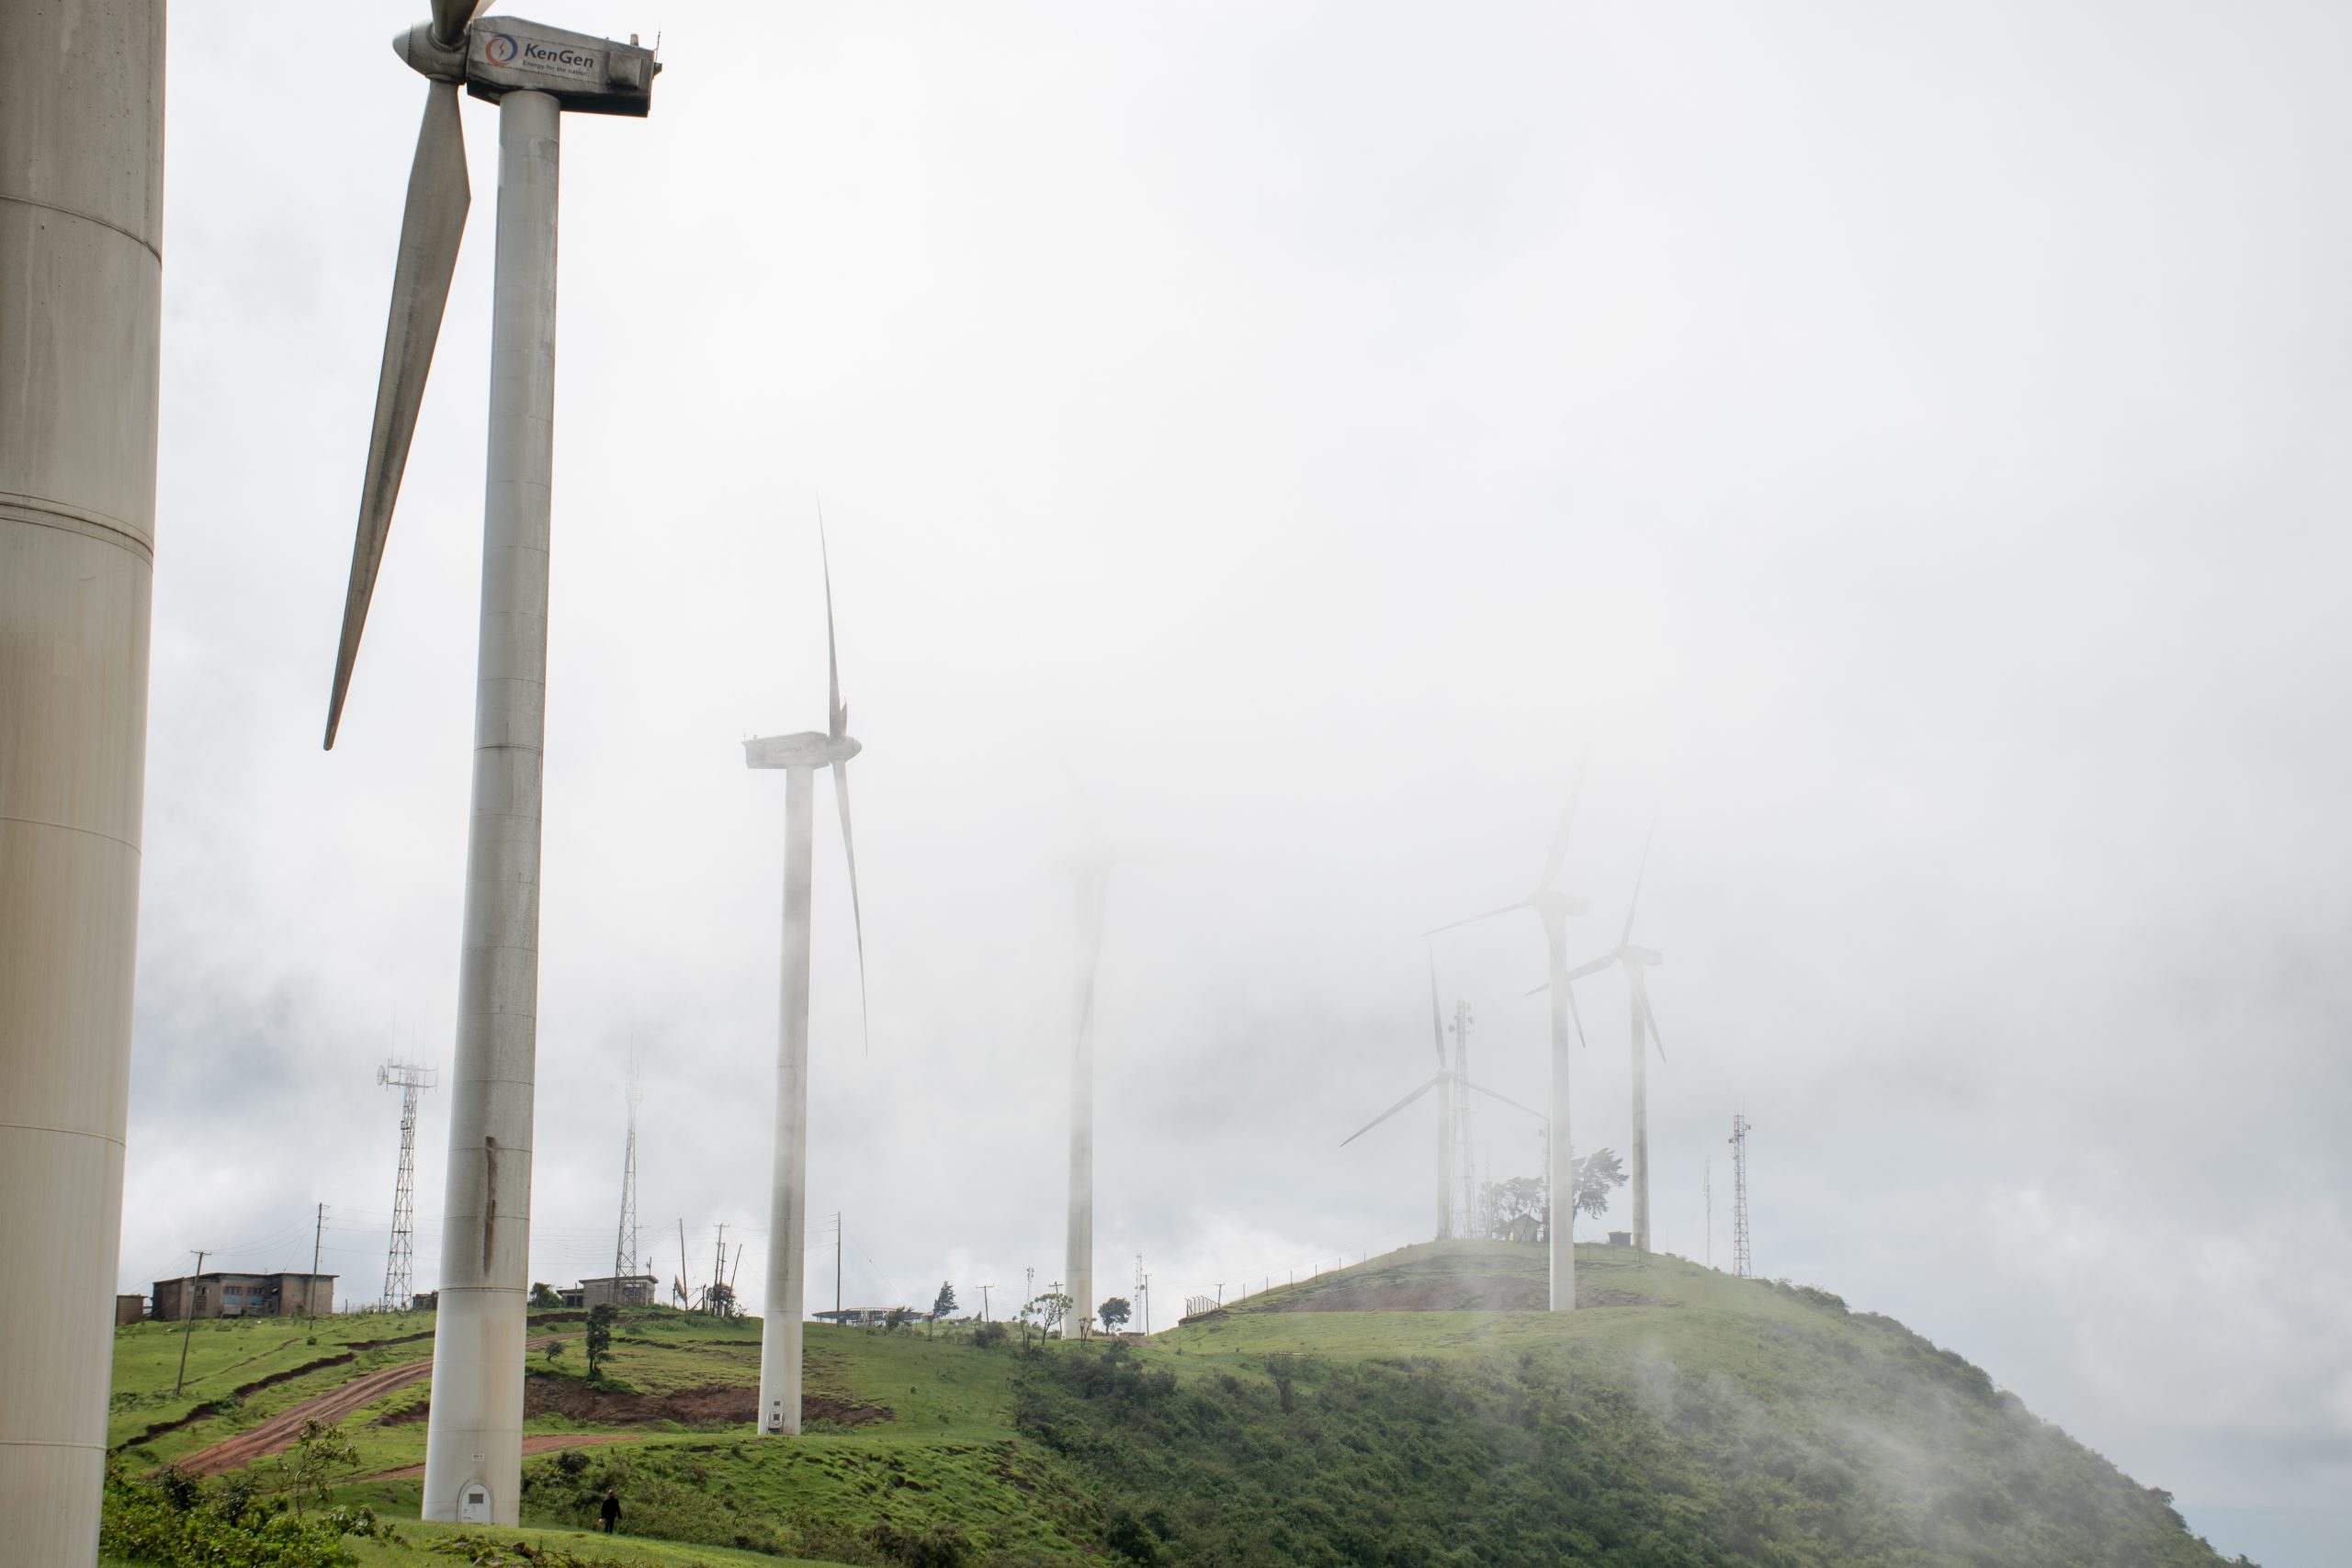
(1409, 1411)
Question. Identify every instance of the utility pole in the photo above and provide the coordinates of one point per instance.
(311, 1288)
(681, 1255)
(837, 1264)
(984, 1301)
(1742, 1263)
(187, 1316)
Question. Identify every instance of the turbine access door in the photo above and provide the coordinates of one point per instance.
(473, 1504)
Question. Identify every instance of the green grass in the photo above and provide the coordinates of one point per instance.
(1680, 1419)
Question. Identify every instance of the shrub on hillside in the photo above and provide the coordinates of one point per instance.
(173, 1521)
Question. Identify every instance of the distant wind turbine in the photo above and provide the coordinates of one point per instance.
(799, 756)
(1633, 960)
(1450, 1080)
(1553, 908)
(1094, 891)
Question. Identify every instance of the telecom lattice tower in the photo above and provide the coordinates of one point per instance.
(400, 1263)
(1741, 1264)
(624, 1248)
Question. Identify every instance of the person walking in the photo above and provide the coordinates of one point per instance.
(611, 1511)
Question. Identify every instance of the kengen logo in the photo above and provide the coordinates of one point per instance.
(532, 54)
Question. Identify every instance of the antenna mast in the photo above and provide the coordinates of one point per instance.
(400, 1262)
(1741, 1264)
(625, 1248)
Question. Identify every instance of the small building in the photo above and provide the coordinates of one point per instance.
(611, 1289)
(225, 1294)
(1621, 1238)
(865, 1317)
(129, 1309)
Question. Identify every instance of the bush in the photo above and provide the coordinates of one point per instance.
(172, 1518)
(989, 1336)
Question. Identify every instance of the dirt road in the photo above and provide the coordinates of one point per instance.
(279, 1431)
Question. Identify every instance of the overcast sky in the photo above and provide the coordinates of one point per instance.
(1904, 446)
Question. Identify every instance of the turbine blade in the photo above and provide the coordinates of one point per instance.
(1506, 908)
(434, 221)
(449, 20)
(1507, 1099)
(1437, 1021)
(1577, 1016)
(1635, 901)
(856, 910)
(1392, 1110)
(836, 716)
(1560, 839)
(1594, 967)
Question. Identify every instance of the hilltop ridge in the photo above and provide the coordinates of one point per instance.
(1383, 1413)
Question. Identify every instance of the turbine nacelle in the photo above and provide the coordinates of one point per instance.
(810, 748)
(585, 74)
(1641, 957)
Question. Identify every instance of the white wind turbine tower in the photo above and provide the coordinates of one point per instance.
(1094, 892)
(1553, 908)
(799, 756)
(473, 1454)
(1452, 1081)
(1633, 960)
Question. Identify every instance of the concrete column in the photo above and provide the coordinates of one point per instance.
(1564, 1181)
(780, 1330)
(474, 1445)
(81, 310)
(1641, 1166)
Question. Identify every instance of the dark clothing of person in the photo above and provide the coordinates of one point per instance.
(610, 1513)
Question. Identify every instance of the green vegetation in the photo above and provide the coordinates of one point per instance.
(1409, 1411)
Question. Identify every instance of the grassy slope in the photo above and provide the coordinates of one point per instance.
(1692, 1419)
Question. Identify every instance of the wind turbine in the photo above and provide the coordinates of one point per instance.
(799, 756)
(1553, 908)
(1094, 891)
(1634, 960)
(473, 1455)
(1450, 1080)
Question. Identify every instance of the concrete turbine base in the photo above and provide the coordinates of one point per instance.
(780, 1329)
(81, 311)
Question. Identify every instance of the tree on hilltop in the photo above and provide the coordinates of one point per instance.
(600, 1334)
(1114, 1313)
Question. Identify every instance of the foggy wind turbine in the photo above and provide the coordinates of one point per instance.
(1450, 1080)
(1553, 909)
(473, 1455)
(799, 756)
(1634, 960)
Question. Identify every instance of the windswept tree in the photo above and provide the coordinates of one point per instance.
(543, 1294)
(1114, 1313)
(1053, 1310)
(943, 1302)
(600, 1334)
(1523, 1196)
(1595, 1175)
